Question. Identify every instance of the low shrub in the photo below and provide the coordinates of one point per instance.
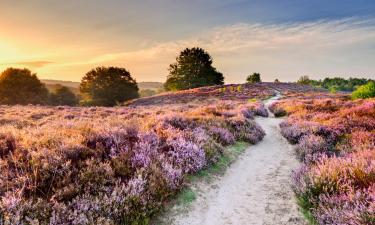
(335, 140)
(365, 91)
(336, 189)
(310, 145)
(222, 135)
(277, 111)
(246, 130)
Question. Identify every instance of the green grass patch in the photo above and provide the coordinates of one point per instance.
(186, 196)
(304, 207)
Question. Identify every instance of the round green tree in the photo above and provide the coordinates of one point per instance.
(20, 86)
(253, 78)
(63, 96)
(108, 86)
(193, 68)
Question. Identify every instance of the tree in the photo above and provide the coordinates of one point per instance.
(193, 68)
(365, 91)
(20, 86)
(276, 81)
(253, 78)
(63, 96)
(304, 80)
(108, 86)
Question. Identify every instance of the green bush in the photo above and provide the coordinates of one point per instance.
(365, 91)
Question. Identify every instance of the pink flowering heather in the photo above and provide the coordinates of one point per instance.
(172, 175)
(186, 155)
(222, 135)
(98, 165)
(260, 110)
(254, 109)
(145, 150)
(351, 208)
(335, 138)
(247, 113)
(361, 140)
(311, 145)
(277, 111)
(246, 130)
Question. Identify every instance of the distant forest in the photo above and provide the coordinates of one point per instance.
(339, 84)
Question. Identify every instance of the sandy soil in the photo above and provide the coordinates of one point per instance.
(254, 190)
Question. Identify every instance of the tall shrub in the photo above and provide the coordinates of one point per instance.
(365, 91)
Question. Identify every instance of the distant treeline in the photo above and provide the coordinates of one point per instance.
(340, 84)
(360, 87)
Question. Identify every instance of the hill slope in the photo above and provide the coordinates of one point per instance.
(225, 92)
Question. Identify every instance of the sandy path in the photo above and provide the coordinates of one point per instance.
(254, 190)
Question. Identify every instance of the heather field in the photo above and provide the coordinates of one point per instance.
(335, 141)
(121, 165)
(71, 165)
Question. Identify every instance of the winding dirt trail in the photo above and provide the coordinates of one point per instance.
(254, 190)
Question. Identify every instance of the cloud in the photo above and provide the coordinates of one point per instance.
(340, 46)
(343, 47)
(31, 64)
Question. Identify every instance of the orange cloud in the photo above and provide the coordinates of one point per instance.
(32, 64)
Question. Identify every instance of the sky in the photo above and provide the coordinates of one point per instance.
(281, 39)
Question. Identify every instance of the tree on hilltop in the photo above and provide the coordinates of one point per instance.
(253, 78)
(193, 68)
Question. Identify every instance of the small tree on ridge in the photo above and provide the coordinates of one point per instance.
(253, 78)
(193, 68)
